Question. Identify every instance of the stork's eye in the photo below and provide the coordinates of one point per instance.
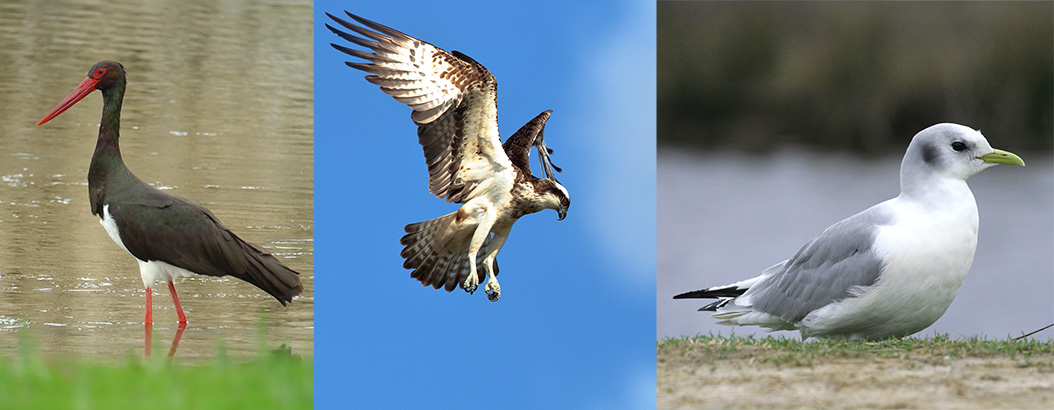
(958, 146)
(99, 72)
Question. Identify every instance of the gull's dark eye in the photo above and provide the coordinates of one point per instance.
(958, 146)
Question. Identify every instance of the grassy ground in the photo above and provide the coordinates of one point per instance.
(274, 380)
(938, 372)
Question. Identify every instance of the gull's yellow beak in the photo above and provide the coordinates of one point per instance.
(1002, 157)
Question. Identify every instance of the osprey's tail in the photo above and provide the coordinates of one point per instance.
(437, 253)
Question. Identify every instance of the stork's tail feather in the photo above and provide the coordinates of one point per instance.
(266, 272)
(433, 265)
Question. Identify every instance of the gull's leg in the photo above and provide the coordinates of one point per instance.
(492, 288)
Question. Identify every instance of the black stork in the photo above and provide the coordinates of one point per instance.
(171, 237)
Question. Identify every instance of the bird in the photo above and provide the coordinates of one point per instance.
(454, 102)
(169, 236)
(887, 272)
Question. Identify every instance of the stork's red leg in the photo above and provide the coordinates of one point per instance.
(149, 307)
(175, 300)
(148, 327)
(175, 341)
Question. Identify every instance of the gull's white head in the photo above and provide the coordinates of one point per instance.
(949, 151)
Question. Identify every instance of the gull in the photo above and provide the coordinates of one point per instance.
(889, 271)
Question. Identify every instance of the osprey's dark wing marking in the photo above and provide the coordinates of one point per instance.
(543, 156)
(454, 103)
(518, 146)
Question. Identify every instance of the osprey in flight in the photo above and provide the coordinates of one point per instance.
(455, 108)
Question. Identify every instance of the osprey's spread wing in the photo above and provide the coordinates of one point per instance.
(454, 103)
(518, 146)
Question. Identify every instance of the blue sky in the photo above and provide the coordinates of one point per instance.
(575, 327)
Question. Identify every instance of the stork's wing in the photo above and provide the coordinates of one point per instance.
(453, 98)
(518, 146)
(159, 226)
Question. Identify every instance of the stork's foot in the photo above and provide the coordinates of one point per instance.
(493, 290)
(470, 283)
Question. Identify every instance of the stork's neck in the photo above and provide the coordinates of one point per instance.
(106, 162)
(110, 125)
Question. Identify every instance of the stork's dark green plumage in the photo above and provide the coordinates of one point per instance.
(170, 236)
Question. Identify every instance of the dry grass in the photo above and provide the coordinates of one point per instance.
(713, 372)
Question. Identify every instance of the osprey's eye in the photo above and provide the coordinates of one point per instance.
(958, 146)
(565, 201)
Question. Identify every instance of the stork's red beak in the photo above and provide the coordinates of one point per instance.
(82, 90)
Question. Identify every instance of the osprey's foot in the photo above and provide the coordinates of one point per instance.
(493, 290)
(470, 284)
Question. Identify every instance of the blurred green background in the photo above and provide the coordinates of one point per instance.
(853, 76)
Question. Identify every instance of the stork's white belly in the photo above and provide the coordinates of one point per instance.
(150, 271)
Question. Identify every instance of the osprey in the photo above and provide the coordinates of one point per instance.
(455, 108)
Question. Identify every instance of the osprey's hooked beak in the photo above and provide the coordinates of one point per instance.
(561, 209)
(563, 199)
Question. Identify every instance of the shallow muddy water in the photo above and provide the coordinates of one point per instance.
(218, 110)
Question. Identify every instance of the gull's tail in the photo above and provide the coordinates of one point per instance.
(724, 294)
(729, 293)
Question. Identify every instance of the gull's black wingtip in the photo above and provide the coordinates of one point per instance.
(729, 291)
(695, 294)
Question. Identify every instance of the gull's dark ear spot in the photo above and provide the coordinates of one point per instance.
(929, 154)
